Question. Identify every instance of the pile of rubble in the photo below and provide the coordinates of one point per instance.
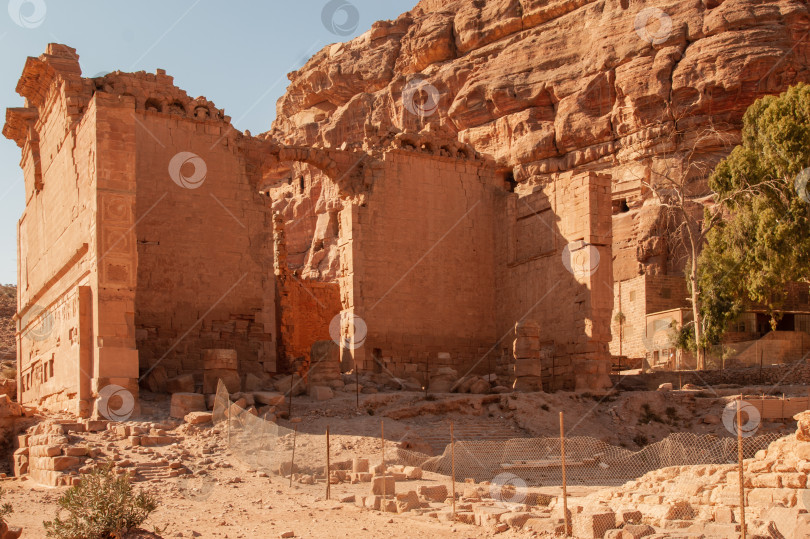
(56, 452)
(705, 500)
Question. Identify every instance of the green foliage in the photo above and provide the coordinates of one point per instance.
(102, 506)
(5, 509)
(765, 241)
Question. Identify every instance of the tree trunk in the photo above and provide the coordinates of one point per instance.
(699, 356)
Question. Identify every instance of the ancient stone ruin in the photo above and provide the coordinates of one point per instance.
(147, 240)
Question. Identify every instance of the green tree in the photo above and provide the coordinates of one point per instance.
(763, 242)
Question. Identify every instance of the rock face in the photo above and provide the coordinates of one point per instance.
(546, 86)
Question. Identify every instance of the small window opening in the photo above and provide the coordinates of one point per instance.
(509, 182)
(301, 183)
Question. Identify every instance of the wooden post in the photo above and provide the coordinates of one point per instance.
(564, 486)
(382, 459)
(782, 415)
(427, 374)
(357, 384)
(229, 421)
(453, 468)
(740, 459)
(289, 408)
(292, 460)
(761, 356)
(328, 468)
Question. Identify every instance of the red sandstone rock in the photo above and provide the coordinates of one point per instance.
(184, 403)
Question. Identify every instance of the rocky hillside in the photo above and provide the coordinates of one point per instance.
(628, 87)
(8, 307)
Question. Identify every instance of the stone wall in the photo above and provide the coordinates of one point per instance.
(554, 267)
(123, 264)
(417, 263)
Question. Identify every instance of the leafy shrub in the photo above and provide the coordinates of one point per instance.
(5, 509)
(102, 506)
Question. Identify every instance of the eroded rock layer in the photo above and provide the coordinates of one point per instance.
(624, 87)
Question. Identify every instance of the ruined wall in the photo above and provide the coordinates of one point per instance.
(417, 263)
(125, 236)
(554, 268)
(204, 250)
(57, 245)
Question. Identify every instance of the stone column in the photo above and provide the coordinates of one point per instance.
(526, 348)
(221, 363)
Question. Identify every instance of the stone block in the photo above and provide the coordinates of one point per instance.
(373, 502)
(198, 418)
(252, 383)
(75, 451)
(220, 359)
(380, 482)
(636, 531)
(56, 464)
(321, 393)
(183, 404)
(293, 383)
(230, 378)
(593, 525)
(181, 384)
(627, 516)
(98, 425)
(413, 472)
(407, 501)
(268, 398)
(528, 367)
(516, 520)
(433, 493)
(45, 451)
(528, 384)
(488, 516)
(359, 465)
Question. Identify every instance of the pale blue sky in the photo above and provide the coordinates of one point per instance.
(237, 54)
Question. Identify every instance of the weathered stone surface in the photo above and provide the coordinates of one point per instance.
(198, 418)
(184, 403)
(383, 485)
(180, 384)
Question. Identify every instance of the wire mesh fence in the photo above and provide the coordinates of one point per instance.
(266, 446)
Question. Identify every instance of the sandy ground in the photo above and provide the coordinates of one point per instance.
(228, 497)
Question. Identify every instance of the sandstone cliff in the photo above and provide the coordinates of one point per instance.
(623, 87)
